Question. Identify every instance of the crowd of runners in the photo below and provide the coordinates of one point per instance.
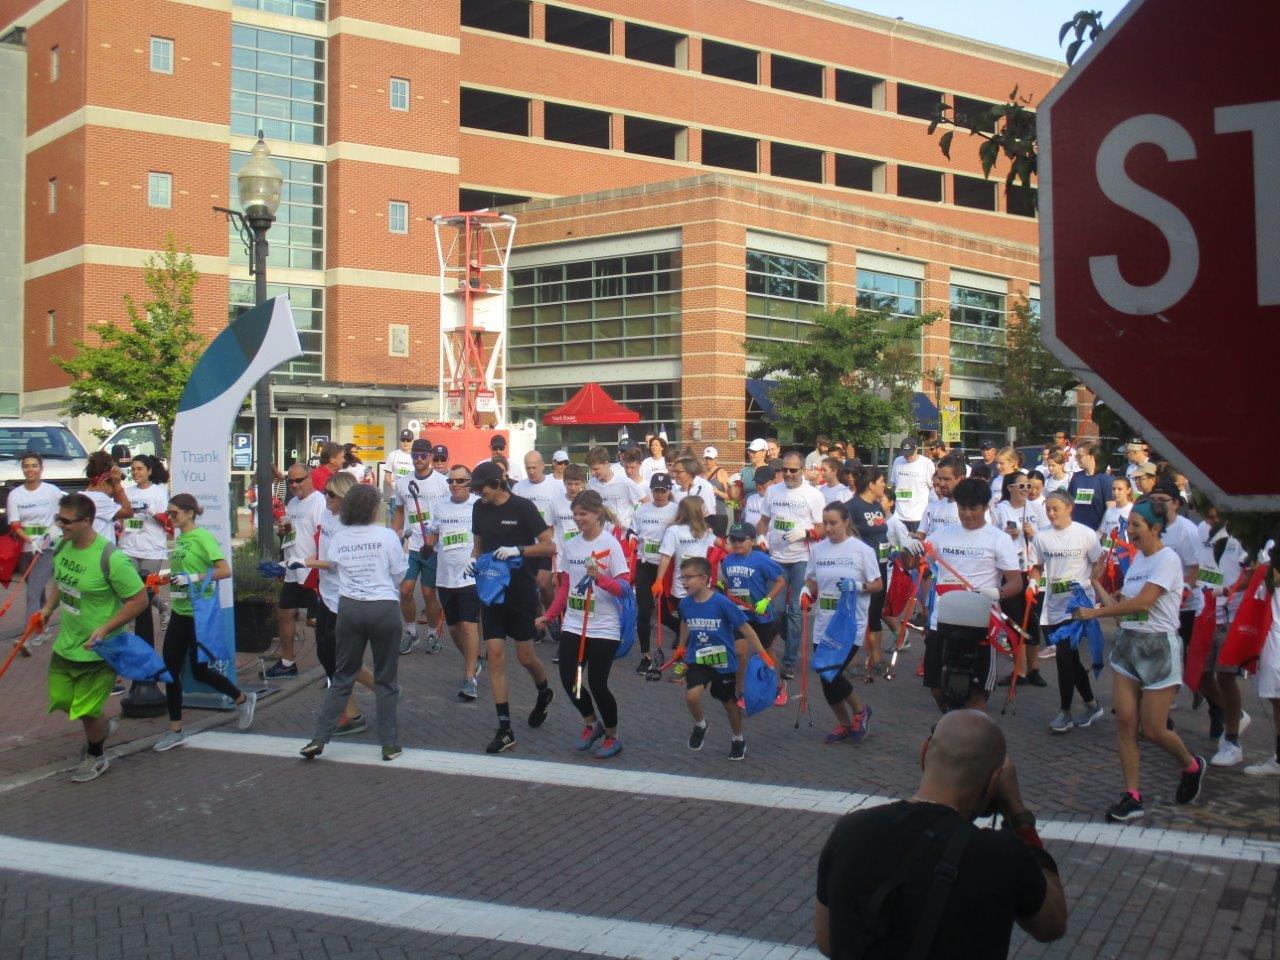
(803, 565)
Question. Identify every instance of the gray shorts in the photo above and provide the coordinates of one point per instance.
(1153, 660)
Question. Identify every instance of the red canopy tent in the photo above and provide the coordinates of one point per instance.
(590, 406)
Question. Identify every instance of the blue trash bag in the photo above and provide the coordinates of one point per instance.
(271, 570)
(834, 649)
(212, 643)
(759, 686)
(1075, 632)
(627, 618)
(492, 577)
(133, 658)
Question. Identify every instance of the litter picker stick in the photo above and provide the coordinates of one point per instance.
(908, 612)
(417, 508)
(995, 607)
(34, 623)
(13, 590)
(803, 705)
(582, 640)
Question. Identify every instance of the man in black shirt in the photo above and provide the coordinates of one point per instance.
(509, 526)
(915, 880)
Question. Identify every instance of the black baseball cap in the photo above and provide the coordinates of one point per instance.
(406, 435)
(852, 466)
(661, 481)
(439, 452)
(908, 445)
(421, 445)
(485, 474)
(986, 445)
(1168, 488)
(497, 442)
(741, 531)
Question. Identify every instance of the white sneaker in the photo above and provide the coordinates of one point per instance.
(1050, 652)
(91, 768)
(1229, 754)
(1245, 720)
(408, 642)
(170, 740)
(245, 710)
(1267, 768)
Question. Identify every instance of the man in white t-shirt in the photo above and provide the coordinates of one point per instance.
(398, 464)
(1138, 454)
(543, 491)
(298, 544)
(449, 532)
(417, 493)
(941, 511)
(619, 492)
(911, 477)
(821, 450)
(1181, 536)
(790, 516)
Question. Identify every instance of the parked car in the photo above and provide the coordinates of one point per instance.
(64, 457)
(142, 437)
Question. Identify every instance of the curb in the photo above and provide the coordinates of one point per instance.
(17, 780)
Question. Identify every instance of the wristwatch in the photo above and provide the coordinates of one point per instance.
(1019, 820)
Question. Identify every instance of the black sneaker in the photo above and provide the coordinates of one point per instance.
(504, 739)
(695, 739)
(1125, 809)
(1189, 785)
(1035, 679)
(737, 749)
(539, 714)
(788, 673)
(643, 666)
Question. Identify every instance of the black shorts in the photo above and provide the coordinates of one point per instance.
(984, 674)
(294, 596)
(723, 686)
(536, 565)
(460, 604)
(515, 615)
(767, 632)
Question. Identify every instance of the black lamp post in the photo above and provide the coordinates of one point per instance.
(936, 376)
(259, 182)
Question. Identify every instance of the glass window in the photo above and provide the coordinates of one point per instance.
(161, 55)
(52, 196)
(55, 64)
(297, 238)
(308, 317)
(277, 85)
(657, 402)
(900, 296)
(782, 293)
(159, 190)
(302, 9)
(399, 94)
(600, 309)
(977, 331)
(52, 317)
(398, 216)
(977, 424)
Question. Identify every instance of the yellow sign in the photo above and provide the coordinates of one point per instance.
(950, 424)
(370, 438)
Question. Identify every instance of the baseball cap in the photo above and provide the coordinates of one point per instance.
(1168, 488)
(1148, 469)
(741, 531)
(660, 481)
(1134, 444)
(711, 453)
(421, 445)
(560, 456)
(484, 474)
(439, 452)
(765, 475)
(852, 466)
(498, 442)
(986, 445)
(406, 435)
(758, 444)
(908, 445)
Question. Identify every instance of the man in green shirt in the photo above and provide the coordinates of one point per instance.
(93, 607)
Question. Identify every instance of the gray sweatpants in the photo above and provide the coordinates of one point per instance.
(360, 622)
(38, 578)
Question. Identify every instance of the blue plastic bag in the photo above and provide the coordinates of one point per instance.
(837, 645)
(759, 686)
(133, 658)
(627, 618)
(1075, 632)
(212, 644)
(492, 577)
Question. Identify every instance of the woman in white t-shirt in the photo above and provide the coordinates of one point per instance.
(657, 459)
(1146, 656)
(1122, 494)
(31, 509)
(688, 536)
(371, 563)
(106, 490)
(144, 537)
(1268, 675)
(587, 602)
(651, 523)
(1056, 476)
(352, 464)
(1021, 519)
(1067, 555)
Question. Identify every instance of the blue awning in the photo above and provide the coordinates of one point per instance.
(924, 412)
(759, 390)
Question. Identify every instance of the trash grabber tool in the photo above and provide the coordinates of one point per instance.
(803, 705)
(908, 612)
(13, 590)
(995, 607)
(34, 623)
(655, 671)
(582, 639)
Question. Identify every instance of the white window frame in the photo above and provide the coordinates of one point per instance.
(55, 63)
(394, 207)
(397, 84)
(52, 199)
(165, 47)
(154, 180)
(52, 316)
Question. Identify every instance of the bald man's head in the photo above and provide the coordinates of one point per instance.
(963, 755)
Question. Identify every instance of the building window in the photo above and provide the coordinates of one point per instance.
(398, 216)
(977, 424)
(277, 85)
(613, 308)
(52, 316)
(501, 16)
(499, 112)
(797, 76)
(573, 28)
(859, 90)
(651, 45)
(795, 163)
(297, 238)
(652, 138)
(901, 296)
(1021, 201)
(973, 192)
(398, 339)
(859, 173)
(487, 199)
(308, 317)
(55, 65)
(586, 128)
(919, 102)
(161, 55)
(977, 331)
(729, 150)
(916, 183)
(52, 198)
(783, 295)
(302, 9)
(399, 94)
(159, 190)
(657, 402)
(729, 61)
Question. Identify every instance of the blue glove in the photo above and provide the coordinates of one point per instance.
(847, 585)
(271, 569)
(297, 565)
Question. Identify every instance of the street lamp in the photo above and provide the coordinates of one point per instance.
(258, 184)
(936, 376)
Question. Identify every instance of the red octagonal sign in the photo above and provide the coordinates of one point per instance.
(1160, 235)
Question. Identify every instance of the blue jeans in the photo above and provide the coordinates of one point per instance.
(794, 573)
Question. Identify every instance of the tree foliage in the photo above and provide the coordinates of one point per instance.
(852, 376)
(138, 370)
(1033, 385)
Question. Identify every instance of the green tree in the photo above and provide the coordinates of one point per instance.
(137, 371)
(1033, 385)
(852, 376)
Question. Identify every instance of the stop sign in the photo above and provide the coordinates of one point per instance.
(1159, 180)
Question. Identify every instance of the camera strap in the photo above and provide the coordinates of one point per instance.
(945, 873)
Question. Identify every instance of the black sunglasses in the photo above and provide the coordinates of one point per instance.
(792, 469)
(458, 481)
(293, 480)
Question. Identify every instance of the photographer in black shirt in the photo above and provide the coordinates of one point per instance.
(915, 880)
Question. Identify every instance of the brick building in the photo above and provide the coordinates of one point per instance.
(689, 177)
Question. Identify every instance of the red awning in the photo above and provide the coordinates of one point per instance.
(590, 405)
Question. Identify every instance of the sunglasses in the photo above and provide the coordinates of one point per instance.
(422, 456)
(68, 521)
(439, 459)
(330, 494)
(458, 481)
(293, 481)
(792, 469)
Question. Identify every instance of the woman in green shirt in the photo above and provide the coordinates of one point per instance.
(195, 553)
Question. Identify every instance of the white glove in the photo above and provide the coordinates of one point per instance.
(990, 593)
(914, 547)
(763, 543)
(179, 579)
(506, 553)
(795, 535)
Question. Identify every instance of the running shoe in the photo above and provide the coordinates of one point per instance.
(1229, 754)
(1050, 652)
(391, 750)
(742, 702)
(920, 669)
(678, 671)
(643, 666)
(504, 739)
(538, 715)
(432, 644)
(1125, 809)
(861, 725)
(279, 671)
(1088, 715)
(788, 672)
(479, 667)
(1245, 720)
(1061, 722)
(407, 642)
(1267, 768)
(781, 699)
(697, 736)
(1035, 679)
(170, 740)
(609, 747)
(23, 651)
(1191, 782)
(839, 735)
(469, 690)
(245, 710)
(312, 750)
(347, 726)
(117, 689)
(112, 726)
(737, 749)
(91, 768)
(654, 674)
(590, 734)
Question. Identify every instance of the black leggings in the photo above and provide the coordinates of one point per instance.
(838, 689)
(1072, 674)
(180, 644)
(599, 662)
(326, 639)
(646, 576)
(875, 609)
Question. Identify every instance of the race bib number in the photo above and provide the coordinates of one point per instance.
(744, 595)
(289, 538)
(580, 604)
(132, 525)
(1212, 578)
(570, 534)
(1108, 542)
(716, 655)
(69, 600)
(456, 541)
(882, 551)
(35, 531)
(420, 517)
(1059, 587)
(1142, 616)
(651, 548)
(403, 471)
(904, 494)
(1084, 496)
(783, 525)
(828, 603)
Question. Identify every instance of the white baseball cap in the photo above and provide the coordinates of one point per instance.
(711, 453)
(560, 456)
(758, 444)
